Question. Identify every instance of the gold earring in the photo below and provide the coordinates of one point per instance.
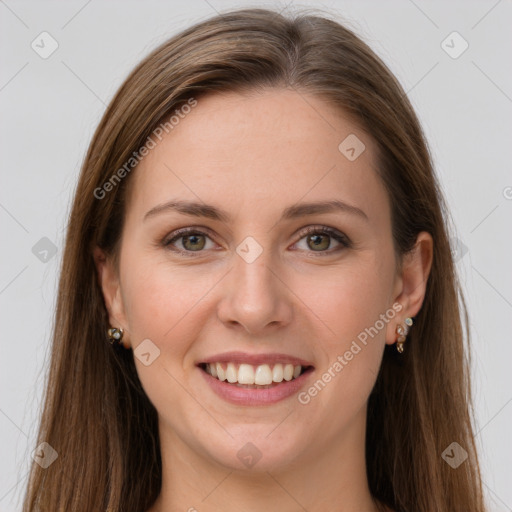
(115, 336)
(402, 331)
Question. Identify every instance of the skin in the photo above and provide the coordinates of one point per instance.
(253, 155)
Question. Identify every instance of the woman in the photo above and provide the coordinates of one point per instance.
(258, 307)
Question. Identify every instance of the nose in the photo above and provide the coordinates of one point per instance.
(255, 297)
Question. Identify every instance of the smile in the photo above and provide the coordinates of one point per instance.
(248, 375)
(255, 379)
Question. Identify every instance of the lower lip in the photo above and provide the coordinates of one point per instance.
(252, 396)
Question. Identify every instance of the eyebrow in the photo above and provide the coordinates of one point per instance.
(197, 209)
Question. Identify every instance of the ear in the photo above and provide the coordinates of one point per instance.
(108, 279)
(411, 283)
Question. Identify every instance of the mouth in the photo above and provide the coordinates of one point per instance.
(249, 376)
(249, 379)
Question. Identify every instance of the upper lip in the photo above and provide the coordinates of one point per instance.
(255, 359)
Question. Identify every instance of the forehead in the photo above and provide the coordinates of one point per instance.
(260, 151)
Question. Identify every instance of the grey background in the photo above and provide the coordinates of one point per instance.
(50, 107)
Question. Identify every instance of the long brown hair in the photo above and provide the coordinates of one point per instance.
(96, 414)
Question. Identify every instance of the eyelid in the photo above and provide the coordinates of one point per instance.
(188, 229)
(181, 232)
(339, 236)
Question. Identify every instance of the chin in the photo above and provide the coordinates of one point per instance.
(255, 451)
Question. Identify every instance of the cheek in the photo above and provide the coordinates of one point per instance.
(353, 307)
(155, 296)
(345, 300)
(165, 304)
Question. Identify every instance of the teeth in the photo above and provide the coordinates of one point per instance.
(221, 374)
(288, 372)
(262, 375)
(246, 374)
(231, 373)
(277, 373)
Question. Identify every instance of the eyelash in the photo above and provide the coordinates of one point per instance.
(311, 230)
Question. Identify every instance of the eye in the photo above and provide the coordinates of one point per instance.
(319, 239)
(192, 240)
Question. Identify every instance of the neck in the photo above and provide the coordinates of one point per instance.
(327, 476)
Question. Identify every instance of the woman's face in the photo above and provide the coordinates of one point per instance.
(249, 286)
